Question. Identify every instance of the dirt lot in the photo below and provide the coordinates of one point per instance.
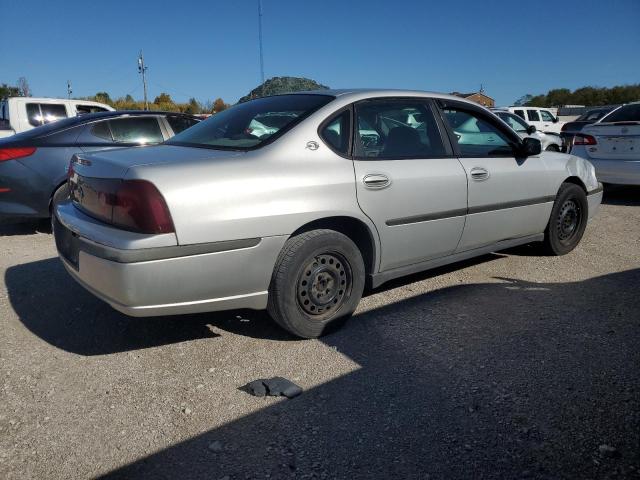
(509, 366)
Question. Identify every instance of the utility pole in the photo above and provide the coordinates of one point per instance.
(143, 69)
(260, 39)
(69, 91)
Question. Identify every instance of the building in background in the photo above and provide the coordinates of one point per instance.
(478, 97)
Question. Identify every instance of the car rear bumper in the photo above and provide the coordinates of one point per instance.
(624, 172)
(170, 280)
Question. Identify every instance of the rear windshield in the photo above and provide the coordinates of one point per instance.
(591, 115)
(626, 113)
(250, 125)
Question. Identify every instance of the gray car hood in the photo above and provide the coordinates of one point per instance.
(115, 163)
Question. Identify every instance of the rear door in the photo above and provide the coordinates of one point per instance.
(407, 180)
(509, 197)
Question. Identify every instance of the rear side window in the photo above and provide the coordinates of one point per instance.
(393, 129)
(336, 133)
(42, 113)
(102, 130)
(513, 121)
(533, 115)
(626, 113)
(179, 123)
(136, 130)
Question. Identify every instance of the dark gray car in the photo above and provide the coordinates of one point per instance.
(34, 164)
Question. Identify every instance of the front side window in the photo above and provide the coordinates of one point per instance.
(389, 129)
(533, 115)
(337, 132)
(179, 123)
(476, 136)
(136, 130)
(514, 121)
(251, 124)
(546, 116)
(520, 113)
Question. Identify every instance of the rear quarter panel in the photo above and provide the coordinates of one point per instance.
(266, 192)
(562, 166)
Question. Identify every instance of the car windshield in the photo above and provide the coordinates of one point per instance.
(250, 125)
(626, 113)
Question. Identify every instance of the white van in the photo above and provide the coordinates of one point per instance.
(19, 114)
(542, 118)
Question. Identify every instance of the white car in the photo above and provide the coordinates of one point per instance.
(19, 114)
(549, 141)
(612, 145)
(542, 118)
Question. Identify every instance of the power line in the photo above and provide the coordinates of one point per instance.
(260, 40)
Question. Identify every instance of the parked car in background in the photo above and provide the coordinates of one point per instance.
(549, 141)
(20, 114)
(541, 118)
(34, 164)
(612, 145)
(297, 221)
(569, 129)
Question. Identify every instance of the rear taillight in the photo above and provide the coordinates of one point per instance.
(12, 153)
(581, 139)
(139, 206)
(134, 205)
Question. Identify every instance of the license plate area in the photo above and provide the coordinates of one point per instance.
(67, 243)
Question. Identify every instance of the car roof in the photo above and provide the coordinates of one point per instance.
(358, 93)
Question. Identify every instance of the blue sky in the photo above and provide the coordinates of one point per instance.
(209, 49)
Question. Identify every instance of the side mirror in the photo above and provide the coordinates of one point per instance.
(530, 147)
(555, 119)
(531, 129)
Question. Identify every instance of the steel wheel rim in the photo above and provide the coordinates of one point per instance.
(324, 284)
(569, 220)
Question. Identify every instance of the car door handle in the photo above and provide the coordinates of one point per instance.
(479, 174)
(376, 181)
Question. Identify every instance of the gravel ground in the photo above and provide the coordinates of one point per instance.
(508, 366)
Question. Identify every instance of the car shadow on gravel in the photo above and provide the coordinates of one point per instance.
(621, 195)
(496, 380)
(58, 310)
(24, 228)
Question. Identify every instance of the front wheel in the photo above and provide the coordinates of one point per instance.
(552, 148)
(568, 220)
(317, 281)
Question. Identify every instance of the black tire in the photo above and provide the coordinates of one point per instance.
(552, 148)
(60, 195)
(568, 220)
(317, 282)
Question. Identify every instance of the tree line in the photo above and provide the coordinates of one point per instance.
(162, 102)
(588, 96)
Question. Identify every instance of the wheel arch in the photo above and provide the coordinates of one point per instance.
(357, 230)
(576, 181)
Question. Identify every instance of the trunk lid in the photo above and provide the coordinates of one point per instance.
(615, 141)
(116, 163)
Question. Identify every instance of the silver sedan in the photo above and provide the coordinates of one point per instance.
(337, 190)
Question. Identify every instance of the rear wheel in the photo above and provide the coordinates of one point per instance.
(568, 220)
(317, 282)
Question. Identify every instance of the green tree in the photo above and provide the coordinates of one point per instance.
(163, 98)
(559, 97)
(219, 105)
(193, 106)
(103, 97)
(279, 85)
(9, 91)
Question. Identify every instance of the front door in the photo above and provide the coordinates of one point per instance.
(407, 180)
(509, 197)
